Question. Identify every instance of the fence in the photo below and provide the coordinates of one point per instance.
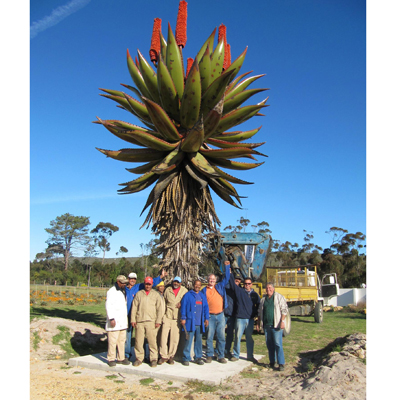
(349, 296)
(77, 290)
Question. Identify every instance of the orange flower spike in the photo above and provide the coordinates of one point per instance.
(227, 57)
(180, 31)
(227, 54)
(189, 65)
(155, 40)
(222, 33)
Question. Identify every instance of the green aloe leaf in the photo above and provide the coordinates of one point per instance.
(236, 136)
(161, 121)
(208, 43)
(194, 138)
(191, 99)
(174, 62)
(167, 91)
(149, 77)
(232, 102)
(236, 165)
(133, 155)
(137, 77)
(217, 60)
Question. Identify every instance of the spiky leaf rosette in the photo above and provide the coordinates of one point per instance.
(186, 143)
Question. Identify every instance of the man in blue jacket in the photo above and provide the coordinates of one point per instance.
(247, 301)
(131, 290)
(217, 302)
(194, 320)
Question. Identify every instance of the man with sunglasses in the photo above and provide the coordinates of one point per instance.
(247, 301)
(146, 315)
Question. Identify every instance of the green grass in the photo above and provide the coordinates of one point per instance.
(36, 340)
(63, 338)
(308, 335)
(146, 381)
(94, 313)
(196, 386)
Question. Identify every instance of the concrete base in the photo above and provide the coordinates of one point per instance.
(211, 374)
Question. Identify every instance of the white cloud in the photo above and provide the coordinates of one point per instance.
(57, 16)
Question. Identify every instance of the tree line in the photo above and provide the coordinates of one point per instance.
(67, 234)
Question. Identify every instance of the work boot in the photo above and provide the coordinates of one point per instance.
(171, 361)
(281, 367)
(222, 360)
(137, 363)
(234, 359)
(162, 361)
(208, 359)
(153, 364)
(185, 363)
(112, 363)
(199, 361)
(124, 362)
(272, 365)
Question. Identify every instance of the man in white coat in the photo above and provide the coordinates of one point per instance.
(117, 322)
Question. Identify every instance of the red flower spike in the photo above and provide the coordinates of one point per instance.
(222, 33)
(227, 57)
(189, 65)
(180, 31)
(155, 40)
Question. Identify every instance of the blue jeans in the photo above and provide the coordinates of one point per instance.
(245, 326)
(216, 326)
(129, 349)
(198, 351)
(230, 329)
(273, 338)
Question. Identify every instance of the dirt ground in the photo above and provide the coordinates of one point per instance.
(336, 375)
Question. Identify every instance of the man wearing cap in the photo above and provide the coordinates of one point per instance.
(146, 316)
(170, 324)
(131, 290)
(117, 322)
(217, 302)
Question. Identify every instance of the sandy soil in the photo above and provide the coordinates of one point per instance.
(338, 375)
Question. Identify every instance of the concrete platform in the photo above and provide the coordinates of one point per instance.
(211, 374)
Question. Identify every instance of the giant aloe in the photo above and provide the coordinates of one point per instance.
(186, 139)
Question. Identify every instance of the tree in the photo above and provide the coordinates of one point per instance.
(68, 232)
(185, 143)
(102, 233)
(122, 249)
(90, 252)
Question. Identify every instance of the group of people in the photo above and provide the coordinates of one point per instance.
(220, 307)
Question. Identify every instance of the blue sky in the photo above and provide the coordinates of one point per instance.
(314, 56)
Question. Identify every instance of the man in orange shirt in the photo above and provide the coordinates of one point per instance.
(217, 302)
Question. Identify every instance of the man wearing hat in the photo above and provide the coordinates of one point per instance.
(170, 324)
(146, 316)
(117, 322)
(131, 290)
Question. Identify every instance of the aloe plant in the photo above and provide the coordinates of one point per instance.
(185, 143)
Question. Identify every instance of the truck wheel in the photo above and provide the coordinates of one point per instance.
(318, 312)
(288, 324)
